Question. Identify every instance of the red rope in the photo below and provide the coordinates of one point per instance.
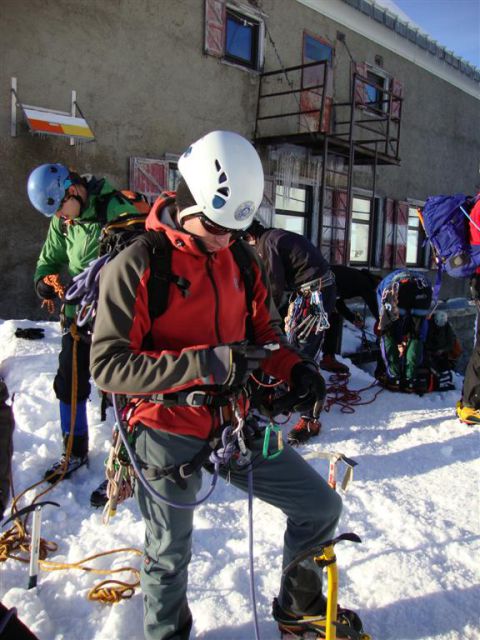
(339, 393)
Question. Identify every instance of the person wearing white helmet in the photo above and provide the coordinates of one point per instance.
(188, 383)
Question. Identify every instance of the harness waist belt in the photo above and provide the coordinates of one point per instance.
(190, 399)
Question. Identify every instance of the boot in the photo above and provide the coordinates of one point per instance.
(467, 415)
(312, 627)
(330, 363)
(78, 458)
(99, 497)
(306, 428)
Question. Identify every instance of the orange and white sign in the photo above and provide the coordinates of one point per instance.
(57, 123)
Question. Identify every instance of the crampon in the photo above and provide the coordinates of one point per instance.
(348, 626)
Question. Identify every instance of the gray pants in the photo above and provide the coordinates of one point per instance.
(286, 482)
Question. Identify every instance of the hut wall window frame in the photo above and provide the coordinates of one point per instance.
(360, 230)
(418, 252)
(293, 209)
(243, 38)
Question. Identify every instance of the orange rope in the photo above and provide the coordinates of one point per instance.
(53, 280)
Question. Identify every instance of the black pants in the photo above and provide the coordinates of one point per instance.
(331, 340)
(471, 383)
(63, 380)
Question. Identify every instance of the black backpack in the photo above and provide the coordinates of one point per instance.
(122, 232)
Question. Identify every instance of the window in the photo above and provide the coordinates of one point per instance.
(360, 231)
(242, 39)
(413, 237)
(234, 35)
(292, 209)
(316, 50)
(376, 99)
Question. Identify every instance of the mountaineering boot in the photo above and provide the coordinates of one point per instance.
(306, 428)
(391, 383)
(468, 415)
(99, 497)
(330, 363)
(291, 626)
(78, 457)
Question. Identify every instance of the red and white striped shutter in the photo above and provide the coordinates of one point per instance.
(215, 26)
(397, 95)
(388, 233)
(361, 96)
(401, 234)
(267, 206)
(149, 176)
(327, 110)
(339, 219)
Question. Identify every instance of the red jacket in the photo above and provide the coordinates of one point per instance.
(213, 313)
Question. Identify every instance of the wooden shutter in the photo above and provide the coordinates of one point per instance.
(401, 234)
(149, 176)
(396, 88)
(312, 99)
(388, 233)
(360, 89)
(339, 219)
(215, 26)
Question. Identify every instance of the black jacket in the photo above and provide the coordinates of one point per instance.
(353, 283)
(291, 260)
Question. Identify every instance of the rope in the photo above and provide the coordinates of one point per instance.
(53, 280)
(348, 399)
(116, 590)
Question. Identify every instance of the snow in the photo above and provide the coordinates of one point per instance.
(414, 502)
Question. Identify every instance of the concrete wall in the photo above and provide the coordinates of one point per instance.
(146, 88)
(142, 82)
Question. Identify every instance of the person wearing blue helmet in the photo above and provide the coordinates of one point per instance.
(78, 207)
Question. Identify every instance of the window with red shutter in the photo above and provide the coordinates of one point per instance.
(150, 176)
(401, 233)
(388, 233)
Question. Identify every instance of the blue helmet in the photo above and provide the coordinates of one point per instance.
(46, 187)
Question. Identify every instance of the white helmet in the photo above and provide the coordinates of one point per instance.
(225, 176)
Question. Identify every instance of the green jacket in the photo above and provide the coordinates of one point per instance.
(74, 246)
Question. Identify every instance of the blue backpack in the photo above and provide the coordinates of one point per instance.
(446, 222)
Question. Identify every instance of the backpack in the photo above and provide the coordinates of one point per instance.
(446, 222)
(403, 292)
(122, 232)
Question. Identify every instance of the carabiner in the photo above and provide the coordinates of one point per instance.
(266, 441)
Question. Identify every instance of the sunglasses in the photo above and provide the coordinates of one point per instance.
(213, 228)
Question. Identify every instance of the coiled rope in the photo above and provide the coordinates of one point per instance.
(347, 399)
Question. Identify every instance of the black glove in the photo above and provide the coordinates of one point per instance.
(44, 291)
(232, 364)
(475, 286)
(31, 333)
(308, 385)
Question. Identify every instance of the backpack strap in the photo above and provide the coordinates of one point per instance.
(244, 261)
(161, 276)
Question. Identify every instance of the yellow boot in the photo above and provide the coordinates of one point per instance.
(468, 415)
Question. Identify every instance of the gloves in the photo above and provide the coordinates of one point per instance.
(308, 385)
(44, 291)
(31, 333)
(232, 364)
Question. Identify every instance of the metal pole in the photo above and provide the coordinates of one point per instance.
(74, 112)
(35, 548)
(13, 120)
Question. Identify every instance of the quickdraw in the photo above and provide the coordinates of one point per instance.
(306, 315)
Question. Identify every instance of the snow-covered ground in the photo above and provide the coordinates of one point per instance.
(414, 502)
